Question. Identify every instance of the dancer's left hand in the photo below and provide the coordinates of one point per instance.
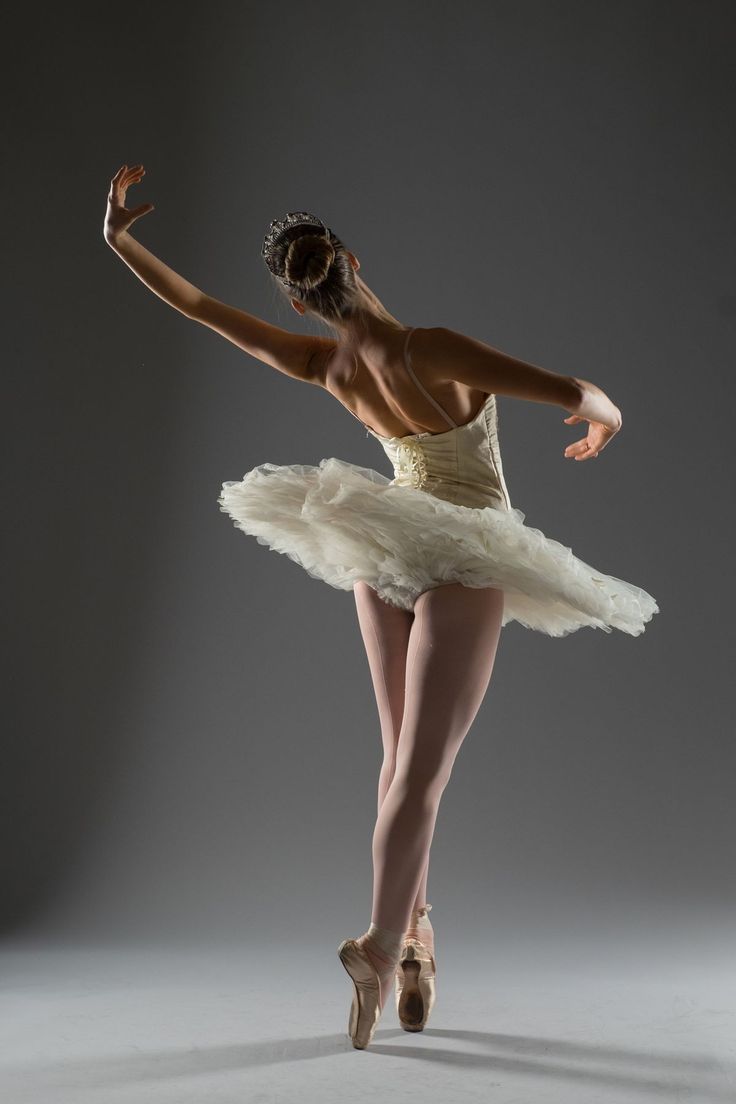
(587, 448)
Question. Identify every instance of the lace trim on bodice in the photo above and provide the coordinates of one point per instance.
(411, 462)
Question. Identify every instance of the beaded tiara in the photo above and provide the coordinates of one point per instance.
(270, 249)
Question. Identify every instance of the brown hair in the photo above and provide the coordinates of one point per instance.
(314, 268)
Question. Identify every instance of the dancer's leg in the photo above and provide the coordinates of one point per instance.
(452, 647)
(385, 630)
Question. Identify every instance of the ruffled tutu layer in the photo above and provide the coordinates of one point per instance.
(343, 523)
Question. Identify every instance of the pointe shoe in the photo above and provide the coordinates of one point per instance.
(365, 1010)
(415, 984)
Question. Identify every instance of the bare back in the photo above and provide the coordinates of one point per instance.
(375, 383)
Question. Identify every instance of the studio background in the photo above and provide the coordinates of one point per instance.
(191, 745)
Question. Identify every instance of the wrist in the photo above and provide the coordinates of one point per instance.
(577, 397)
(114, 238)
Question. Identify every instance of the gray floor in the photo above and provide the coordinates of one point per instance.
(512, 1025)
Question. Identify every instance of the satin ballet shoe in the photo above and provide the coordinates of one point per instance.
(365, 1011)
(415, 985)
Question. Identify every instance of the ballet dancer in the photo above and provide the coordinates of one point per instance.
(437, 557)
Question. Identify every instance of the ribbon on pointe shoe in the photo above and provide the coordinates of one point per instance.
(423, 909)
(384, 943)
(420, 928)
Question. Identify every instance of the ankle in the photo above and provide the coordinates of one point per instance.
(420, 918)
(420, 926)
(421, 913)
(384, 946)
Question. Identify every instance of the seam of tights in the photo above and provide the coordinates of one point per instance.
(379, 649)
(415, 651)
(386, 694)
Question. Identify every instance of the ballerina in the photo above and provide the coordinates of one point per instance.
(437, 557)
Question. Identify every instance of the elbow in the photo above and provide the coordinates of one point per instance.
(193, 306)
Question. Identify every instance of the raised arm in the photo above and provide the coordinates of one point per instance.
(292, 354)
(449, 355)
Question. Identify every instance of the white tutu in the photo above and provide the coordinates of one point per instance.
(343, 523)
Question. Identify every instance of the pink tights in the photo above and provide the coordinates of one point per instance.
(430, 669)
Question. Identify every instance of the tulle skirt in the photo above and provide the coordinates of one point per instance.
(343, 523)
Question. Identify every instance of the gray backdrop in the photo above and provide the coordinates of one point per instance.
(192, 744)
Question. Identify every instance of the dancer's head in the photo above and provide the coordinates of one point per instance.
(312, 266)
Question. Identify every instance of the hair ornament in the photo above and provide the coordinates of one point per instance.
(272, 251)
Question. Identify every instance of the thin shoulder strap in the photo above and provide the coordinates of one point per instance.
(420, 385)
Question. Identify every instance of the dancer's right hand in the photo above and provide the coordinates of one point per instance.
(117, 217)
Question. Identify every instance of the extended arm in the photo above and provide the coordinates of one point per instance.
(162, 280)
(453, 356)
(289, 353)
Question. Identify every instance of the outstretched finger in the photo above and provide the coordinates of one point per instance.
(133, 177)
(142, 210)
(120, 187)
(123, 175)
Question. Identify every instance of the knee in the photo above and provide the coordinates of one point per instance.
(388, 767)
(422, 781)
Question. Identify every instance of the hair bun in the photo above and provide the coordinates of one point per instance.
(308, 260)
